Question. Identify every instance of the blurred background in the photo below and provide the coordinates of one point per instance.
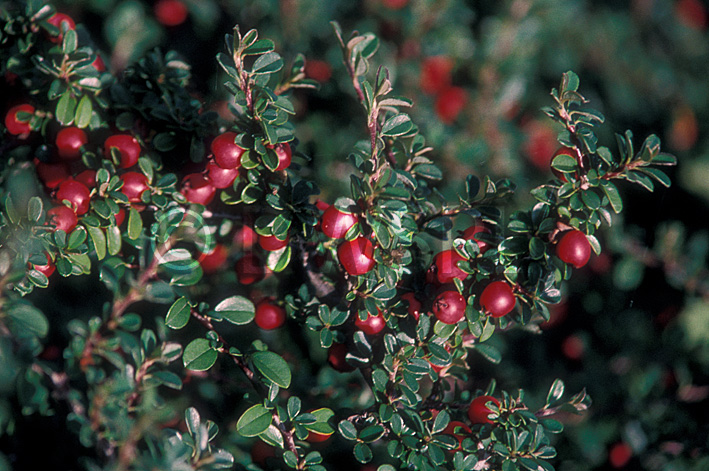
(633, 328)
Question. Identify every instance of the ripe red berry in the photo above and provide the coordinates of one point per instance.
(272, 243)
(77, 194)
(318, 70)
(126, 145)
(435, 74)
(260, 452)
(120, 216)
(211, 262)
(269, 316)
(316, 437)
(170, 12)
(445, 267)
(471, 232)
(87, 177)
(459, 430)
(198, 189)
(372, 325)
(99, 64)
(478, 410)
(395, 4)
(498, 299)
(69, 141)
(335, 223)
(620, 454)
(540, 143)
(245, 237)
(356, 256)
(63, 218)
(691, 13)
(63, 22)
(449, 307)
(574, 248)
(414, 305)
(134, 184)
(51, 174)
(14, 125)
(47, 269)
(227, 153)
(249, 269)
(336, 357)
(221, 177)
(450, 103)
(284, 154)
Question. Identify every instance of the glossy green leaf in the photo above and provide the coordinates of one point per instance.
(199, 355)
(254, 421)
(179, 314)
(236, 310)
(273, 367)
(66, 108)
(83, 112)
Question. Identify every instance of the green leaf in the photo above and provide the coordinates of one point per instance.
(397, 125)
(236, 309)
(66, 109)
(347, 430)
(254, 421)
(273, 367)
(267, 64)
(34, 209)
(199, 355)
(556, 391)
(83, 112)
(29, 319)
(363, 453)
(98, 238)
(613, 195)
(179, 314)
(168, 378)
(491, 353)
(564, 163)
(135, 224)
(113, 240)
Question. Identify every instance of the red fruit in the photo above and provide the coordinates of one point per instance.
(260, 452)
(47, 269)
(462, 432)
(272, 243)
(315, 437)
(318, 70)
(170, 12)
(269, 316)
(692, 13)
(211, 262)
(436, 74)
(445, 267)
(450, 103)
(472, 231)
(221, 177)
(478, 410)
(249, 269)
(449, 307)
(227, 153)
(14, 125)
(620, 454)
(134, 184)
(198, 189)
(573, 347)
(77, 194)
(335, 223)
(63, 22)
(321, 205)
(395, 4)
(356, 256)
(51, 174)
(372, 325)
(120, 216)
(414, 305)
(98, 64)
(245, 237)
(69, 141)
(127, 146)
(540, 144)
(574, 248)
(336, 356)
(497, 299)
(284, 154)
(63, 218)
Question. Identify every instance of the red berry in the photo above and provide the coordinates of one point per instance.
(445, 267)
(272, 243)
(284, 154)
(414, 305)
(63, 22)
(691, 13)
(245, 237)
(260, 452)
(395, 4)
(221, 177)
(461, 429)
(198, 189)
(14, 125)
(316, 437)
(356, 256)
(478, 410)
(227, 153)
(574, 248)
(47, 269)
(51, 174)
(540, 144)
(211, 262)
(77, 194)
(318, 70)
(98, 64)
(335, 223)
(336, 357)
(249, 269)
(449, 307)
(372, 325)
(450, 103)
(134, 184)
(87, 177)
(63, 218)
(498, 299)
(436, 74)
(472, 231)
(120, 216)
(269, 316)
(126, 145)
(170, 12)
(620, 454)
(573, 347)
(69, 141)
